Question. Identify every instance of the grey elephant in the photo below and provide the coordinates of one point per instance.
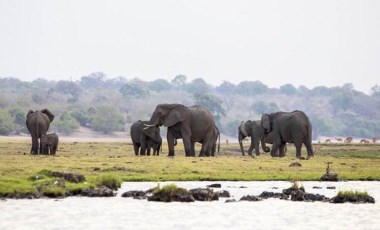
(257, 133)
(140, 135)
(155, 146)
(288, 127)
(49, 143)
(214, 142)
(192, 124)
(38, 123)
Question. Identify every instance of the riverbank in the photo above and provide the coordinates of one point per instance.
(102, 162)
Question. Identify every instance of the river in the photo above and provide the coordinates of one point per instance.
(128, 213)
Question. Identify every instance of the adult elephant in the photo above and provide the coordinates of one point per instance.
(214, 142)
(192, 124)
(38, 123)
(257, 133)
(288, 127)
(141, 135)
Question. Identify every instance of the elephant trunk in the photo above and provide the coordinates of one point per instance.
(241, 143)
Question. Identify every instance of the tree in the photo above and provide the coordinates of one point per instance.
(375, 91)
(179, 82)
(250, 88)
(288, 89)
(94, 80)
(226, 88)
(6, 122)
(211, 102)
(160, 85)
(68, 88)
(198, 85)
(19, 118)
(107, 120)
(134, 89)
(261, 107)
(65, 123)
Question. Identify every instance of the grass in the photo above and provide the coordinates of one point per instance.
(169, 190)
(353, 194)
(110, 163)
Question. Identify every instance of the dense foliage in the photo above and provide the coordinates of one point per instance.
(107, 105)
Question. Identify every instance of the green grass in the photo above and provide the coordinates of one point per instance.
(110, 163)
(353, 194)
(170, 189)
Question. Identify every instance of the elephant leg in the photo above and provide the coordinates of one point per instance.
(309, 149)
(34, 149)
(171, 140)
(274, 150)
(136, 148)
(205, 148)
(298, 149)
(281, 150)
(193, 149)
(188, 147)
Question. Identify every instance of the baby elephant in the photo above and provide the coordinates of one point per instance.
(49, 143)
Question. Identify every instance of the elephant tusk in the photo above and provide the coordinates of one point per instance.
(148, 125)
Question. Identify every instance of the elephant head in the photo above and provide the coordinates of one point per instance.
(153, 132)
(254, 130)
(266, 122)
(169, 114)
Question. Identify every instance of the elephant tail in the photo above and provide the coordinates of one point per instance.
(219, 143)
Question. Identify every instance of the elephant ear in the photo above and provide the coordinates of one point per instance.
(243, 129)
(265, 122)
(48, 113)
(176, 114)
(30, 112)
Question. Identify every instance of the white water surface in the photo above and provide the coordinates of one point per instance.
(128, 213)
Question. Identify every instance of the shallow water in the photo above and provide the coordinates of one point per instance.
(128, 213)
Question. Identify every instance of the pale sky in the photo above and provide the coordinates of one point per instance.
(310, 43)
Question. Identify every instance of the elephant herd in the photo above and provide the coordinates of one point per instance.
(193, 124)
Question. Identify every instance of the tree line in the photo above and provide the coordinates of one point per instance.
(107, 105)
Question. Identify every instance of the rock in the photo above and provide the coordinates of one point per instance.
(230, 200)
(329, 177)
(135, 194)
(250, 198)
(331, 187)
(266, 195)
(317, 187)
(71, 177)
(204, 194)
(223, 193)
(214, 186)
(172, 197)
(355, 199)
(242, 187)
(101, 191)
(295, 164)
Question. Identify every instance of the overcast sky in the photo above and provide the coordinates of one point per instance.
(310, 43)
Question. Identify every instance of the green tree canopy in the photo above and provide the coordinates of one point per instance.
(211, 102)
(198, 85)
(107, 120)
(134, 89)
(250, 88)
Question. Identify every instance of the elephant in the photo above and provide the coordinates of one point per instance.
(288, 127)
(38, 123)
(192, 124)
(140, 135)
(212, 146)
(257, 133)
(155, 146)
(49, 143)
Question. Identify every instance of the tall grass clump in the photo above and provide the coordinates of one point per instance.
(109, 180)
(353, 194)
(169, 190)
